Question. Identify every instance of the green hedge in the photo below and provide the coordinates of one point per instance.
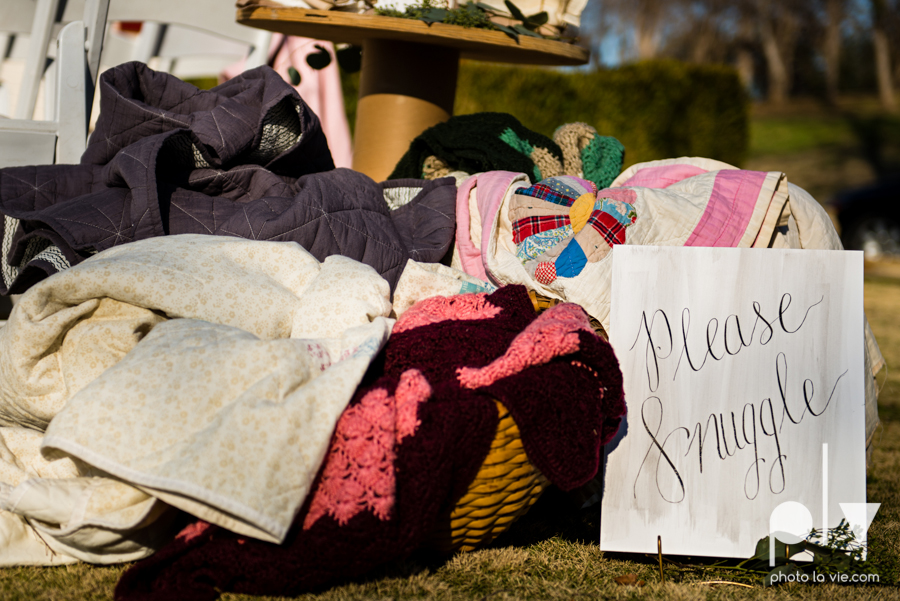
(657, 109)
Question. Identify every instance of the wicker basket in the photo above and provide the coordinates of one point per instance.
(506, 486)
(542, 303)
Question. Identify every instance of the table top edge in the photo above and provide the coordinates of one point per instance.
(474, 44)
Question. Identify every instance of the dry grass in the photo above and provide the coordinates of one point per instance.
(552, 552)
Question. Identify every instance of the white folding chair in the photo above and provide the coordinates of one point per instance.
(193, 38)
(28, 28)
(16, 19)
(189, 39)
(70, 87)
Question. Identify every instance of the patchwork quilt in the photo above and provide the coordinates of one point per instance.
(560, 224)
(555, 236)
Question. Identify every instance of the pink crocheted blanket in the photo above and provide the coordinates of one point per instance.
(411, 441)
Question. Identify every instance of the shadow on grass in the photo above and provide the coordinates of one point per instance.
(555, 514)
(879, 141)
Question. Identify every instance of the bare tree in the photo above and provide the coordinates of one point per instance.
(831, 51)
(703, 33)
(710, 43)
(641, 25)
(742, 30)
(880, 15)
(745, 44)
(779, 25)
(647, 18)
(745, 33)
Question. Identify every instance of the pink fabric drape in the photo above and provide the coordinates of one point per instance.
(492, 187)
(320, 89)
(731, 203)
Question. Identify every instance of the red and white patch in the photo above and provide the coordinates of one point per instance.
(545, 272)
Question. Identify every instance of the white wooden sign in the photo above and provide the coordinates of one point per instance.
(739, 364)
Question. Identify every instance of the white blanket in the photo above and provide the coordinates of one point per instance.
(225, 411)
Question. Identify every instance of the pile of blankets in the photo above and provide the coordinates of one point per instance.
(176, 372)
(261, 374)
(411, 441)
(481, 142)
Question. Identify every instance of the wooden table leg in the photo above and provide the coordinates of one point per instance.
(404, 89)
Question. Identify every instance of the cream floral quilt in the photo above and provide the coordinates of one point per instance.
(198, 372)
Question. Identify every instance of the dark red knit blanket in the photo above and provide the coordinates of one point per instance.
(410, 442)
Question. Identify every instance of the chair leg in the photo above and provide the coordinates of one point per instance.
(44, 15)
(72, 109)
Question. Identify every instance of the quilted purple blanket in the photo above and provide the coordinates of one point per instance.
(247, 159)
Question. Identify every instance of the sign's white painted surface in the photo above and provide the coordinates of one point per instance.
(738, 364)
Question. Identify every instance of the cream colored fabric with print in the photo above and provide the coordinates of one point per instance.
(95, 519)
(424, 280)
(217, 422)
(248, 353)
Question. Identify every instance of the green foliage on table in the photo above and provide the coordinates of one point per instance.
(435, 11)
(471, 14)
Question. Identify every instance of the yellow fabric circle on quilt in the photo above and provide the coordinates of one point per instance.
(580, 211)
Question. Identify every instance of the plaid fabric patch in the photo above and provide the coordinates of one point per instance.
(544, 192)
(608, 226)
(534, 246)
(528, 226)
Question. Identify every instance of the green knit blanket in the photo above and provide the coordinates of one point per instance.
(499, 142)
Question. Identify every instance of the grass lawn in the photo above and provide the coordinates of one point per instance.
(552, 553)
(825, 149)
